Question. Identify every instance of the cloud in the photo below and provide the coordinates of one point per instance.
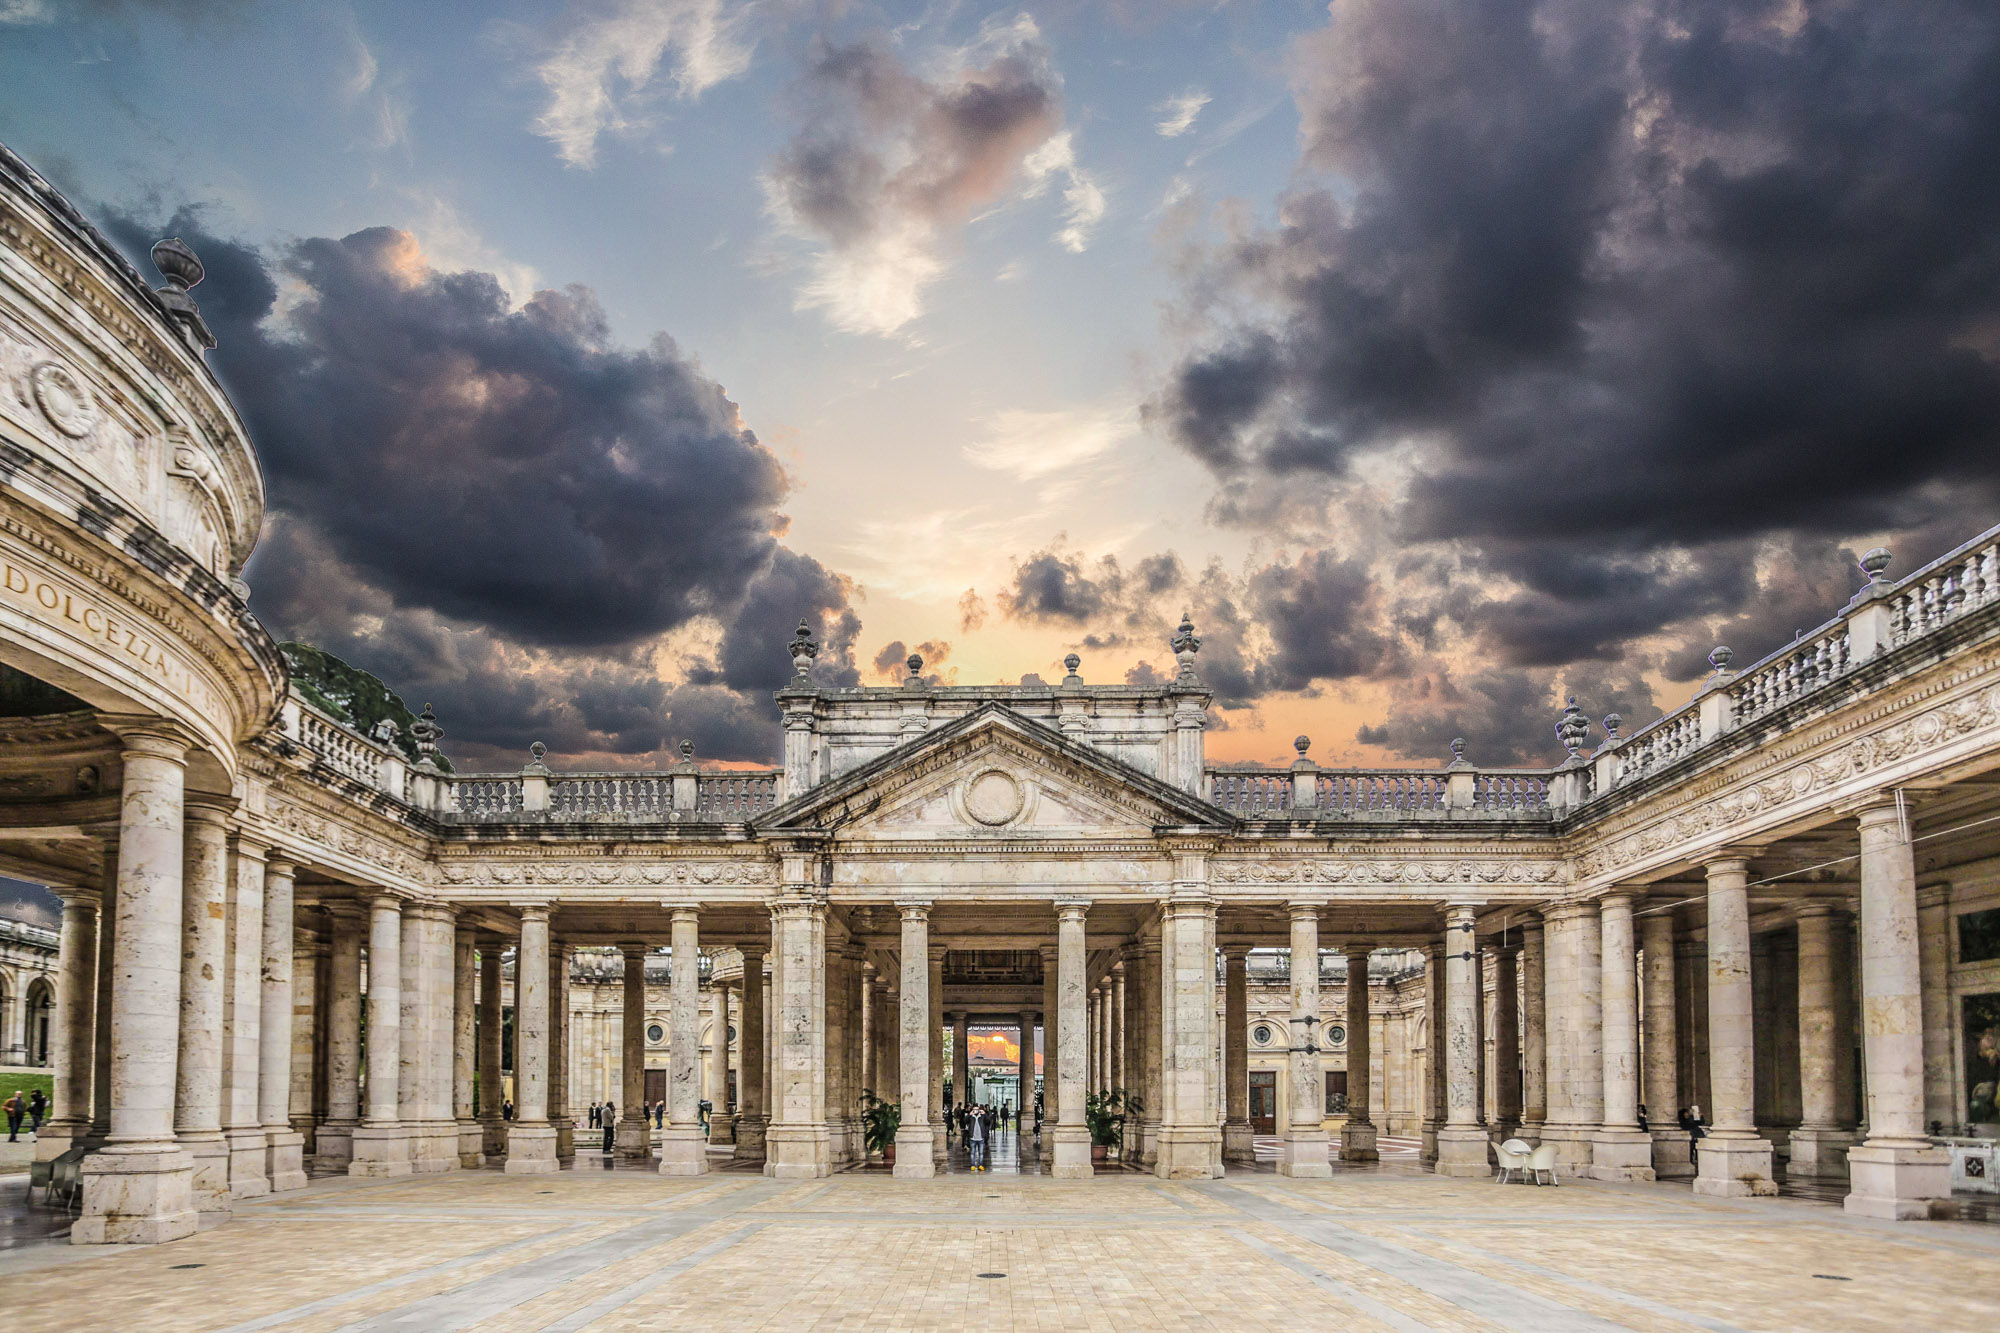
(503, 509)
(891, 162)
(601, 75)
(1032, 446)
(892, 663)
(1177, 114)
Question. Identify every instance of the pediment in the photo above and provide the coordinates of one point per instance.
(993, 776)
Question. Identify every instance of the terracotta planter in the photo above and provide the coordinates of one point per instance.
(889, 1155)
(1099, 1152)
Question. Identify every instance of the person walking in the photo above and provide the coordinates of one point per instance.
(507, 1110)
(975, 1137)
(607, 1116)
(38, 1110)
(15, 1106)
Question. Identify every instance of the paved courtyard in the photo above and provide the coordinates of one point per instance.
(1387, 1248)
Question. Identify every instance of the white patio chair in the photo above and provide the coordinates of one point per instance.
(1512, 1158)
(1542, 1162)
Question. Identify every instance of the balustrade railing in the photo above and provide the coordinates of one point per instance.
(487, 798)
(1242, 792)
(1367, 793)
(629, 796)
(1510, 789)
(340, 748)
(728, 797)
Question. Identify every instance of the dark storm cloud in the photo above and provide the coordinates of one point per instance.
(1646, 282)
(503, 510)
(1505, 716)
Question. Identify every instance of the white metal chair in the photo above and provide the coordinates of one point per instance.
(1511, 1158)
(1542, 1162)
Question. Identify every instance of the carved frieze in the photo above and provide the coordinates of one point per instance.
(1433, 870)
(609, 871)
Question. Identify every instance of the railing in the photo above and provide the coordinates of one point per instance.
(339, 747)
(1946, 589)
(1243, 792)
(1460, 792)
(1504, 789)
(636, 796)
(487, 798)
(728, 797)
(1365, 793)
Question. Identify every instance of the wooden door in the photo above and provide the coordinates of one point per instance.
(1264, 1101)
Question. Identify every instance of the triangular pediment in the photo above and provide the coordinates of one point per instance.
(993, 774)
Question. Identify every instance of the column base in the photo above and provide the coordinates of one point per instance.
(1462, 1150)
(1734, 1168)
(493, 1130)
(1357, 1143)
(683, 1151)
(1895, 1182)
(208, 1183)
(471, 1145)
(380, 1151)
(333, 1144)
(1820, 1154)
(285, 1160)
(1427, 1152)
(565, 1140)
(1239, 1142)
(56, 1139)
(1303, 1153)
(1530, 1132)
(632, 1140)
(531, 1150)
(798, 1152)
(136, 1198)
(750, 1138)
(1573, 1147)
(721, 1129)
(1622, 1154)
(246, 1163)
(1188, 1154)
(913, 1154)
(1072, 1153)
(1673, 1158)
(1149, 1143)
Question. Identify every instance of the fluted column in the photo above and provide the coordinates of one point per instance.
(492, 1079)
(1534, 1033)
(683, 1151)
(1896, 1172)
(1357, 1136)
(1238, 1143)
(1462, 1141)
(284, 1147)
(1621, 1150)
(531, 1140)
(721, 1125)
(1734, 1159)
(751, 1104)
(204, 950)
(1672, 1158)
(1072, 1133)
(465, 1043)
(75, 1033)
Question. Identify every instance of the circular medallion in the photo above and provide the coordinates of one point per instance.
(1261, 1034)
(993, 797)
(1336, 1035)
(64, 400)
(655, 1033)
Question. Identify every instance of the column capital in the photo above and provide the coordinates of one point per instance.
(630, 950)
(205, 807)
(1235, 953)
(915, 910)
(281, 867)
(1352, 951)
(84, 895)
(1300, 910)
(1730, 861)
(533, 911)
(1816, 907)
(936, 953)
(1617, 898)
(151, 735)
(753, 951)
(1071, 909)
(679, 912)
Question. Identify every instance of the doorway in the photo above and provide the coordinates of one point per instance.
(1264, 1101)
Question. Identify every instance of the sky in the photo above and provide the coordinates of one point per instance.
(1441, 359)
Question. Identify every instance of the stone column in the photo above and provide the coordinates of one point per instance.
(1934, 968)
(1819, 1145)
(1238, 1142)
(751, 1104)
(1024, 1098)
(1189, 1142)
(242, 1023)
(1574, 977)
(335, 1139)
(871, 1045)
(413, 1039)
(1357, 1137)
(204, 944)
(838, 964)
(1121, 1075)
(633, 1136)
(308, 1064)
(1534, 1033)
(1672, 1159)
(914, 1155)
(381, 1142)
(284, 1147)
(936, 1102)
(1506, 1042)
(492, 1079)
(682, 1149)
(1437, 1025)
(75, 1032)
(1621, 1150)
(961, 1060)
(1304, 1149)
(531, 1140)
(465, 1043)
(1896, 1172)
(1151, 1092)
(1072, 1133)
(1051, 1027)
(561, 954)
(139, 1189)
(721, 1125)
(796, 1144)
(1462, 1141)
(1734, 1159)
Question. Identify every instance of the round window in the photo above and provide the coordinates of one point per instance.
(732, 1032)
(1336, 1035)
(655, 1033)
(1261, 1034)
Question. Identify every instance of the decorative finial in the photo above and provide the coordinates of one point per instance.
(538, 750)
(1302, 744)
(1071, 662)
(1458, 749)
(1875, 564)
(1721, 658)
(687, 751)
(803, 650)
(1612, 722)
(1574, 728)
(426, 732)
(1186, 643)
(915, 663)
(179, 266)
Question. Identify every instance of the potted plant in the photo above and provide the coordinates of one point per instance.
(879, 1122)
(1104, 1113)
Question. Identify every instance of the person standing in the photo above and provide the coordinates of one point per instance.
(38, 1109)
(975, 1137)
(607, 1116)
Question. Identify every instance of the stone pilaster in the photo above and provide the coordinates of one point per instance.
(1357, 1136)
(1534, 1031)
(1896, 1172)
(139, 1188)
(796, 1146)
(531, 1140)
(1072, 1132)
(1621, 1150)
(1238, 1143)
(284, 1147)
(1462, 1141)
(1734, 1160)
(465, 1043)
(492, 1079)
(204, 945)
(242, 1022)
(683, 1151)
(752, 1106)
(1303, 1151)
(1672, 1156)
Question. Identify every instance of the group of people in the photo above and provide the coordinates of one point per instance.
(32, 1106)
(975, 1127)
(1690, 1120)
(603, 1115)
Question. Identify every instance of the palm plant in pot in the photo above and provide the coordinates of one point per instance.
(1105, 1114)
(879, 1122)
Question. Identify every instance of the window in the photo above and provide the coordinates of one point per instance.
(1336, 1092)
(1336, 1035)
(732, 1032)
(655, 1033)
(1261, 1034)
(1979, 936)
